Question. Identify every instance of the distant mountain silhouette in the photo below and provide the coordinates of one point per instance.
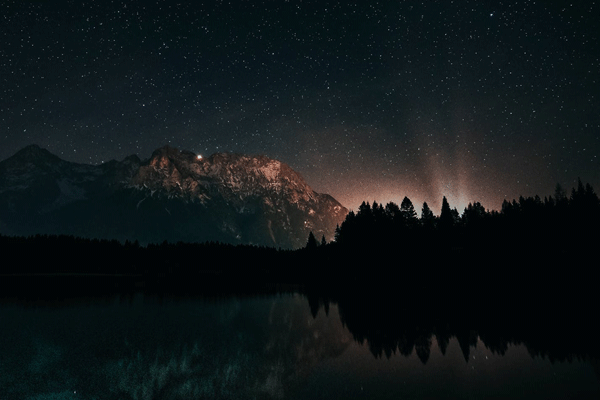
(174, 196)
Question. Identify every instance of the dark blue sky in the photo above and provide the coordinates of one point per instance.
(475, 100)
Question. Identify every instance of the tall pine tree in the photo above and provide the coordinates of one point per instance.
(427, 217)
(408, 212)
(446, 216)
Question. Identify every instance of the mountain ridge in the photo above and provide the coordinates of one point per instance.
(235, 198)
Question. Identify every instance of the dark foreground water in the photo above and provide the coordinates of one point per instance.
(254, 347)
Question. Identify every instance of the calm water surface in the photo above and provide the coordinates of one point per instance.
(260, 347)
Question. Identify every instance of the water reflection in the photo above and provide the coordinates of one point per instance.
(272, 347)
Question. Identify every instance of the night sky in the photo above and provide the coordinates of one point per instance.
(475, 100)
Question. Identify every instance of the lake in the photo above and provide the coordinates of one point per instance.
(262, 346)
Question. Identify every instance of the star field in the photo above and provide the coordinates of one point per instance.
(475, 100)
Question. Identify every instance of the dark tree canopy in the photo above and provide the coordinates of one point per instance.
(378, 242)
(526, 224)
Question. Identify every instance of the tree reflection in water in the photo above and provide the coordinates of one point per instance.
(391, 324)
(310, 345)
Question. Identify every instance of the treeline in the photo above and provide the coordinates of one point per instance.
(527, 231)
(69, 255)
(530, 241)
(524, 223)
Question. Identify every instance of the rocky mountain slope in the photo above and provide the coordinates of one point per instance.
(174, 196)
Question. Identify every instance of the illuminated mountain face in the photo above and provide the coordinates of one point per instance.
(175, 195)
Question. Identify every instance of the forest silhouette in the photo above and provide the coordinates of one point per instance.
(530, 243)
(526, 274)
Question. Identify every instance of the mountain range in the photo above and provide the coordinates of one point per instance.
(175, 195)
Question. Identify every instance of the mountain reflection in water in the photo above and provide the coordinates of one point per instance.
(278, 346)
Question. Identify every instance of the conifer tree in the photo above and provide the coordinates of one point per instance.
(311, 244)
(408, 211)
(364, 209)
(427, 217)
(560, 195)
(392, 211)
(446, 217)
